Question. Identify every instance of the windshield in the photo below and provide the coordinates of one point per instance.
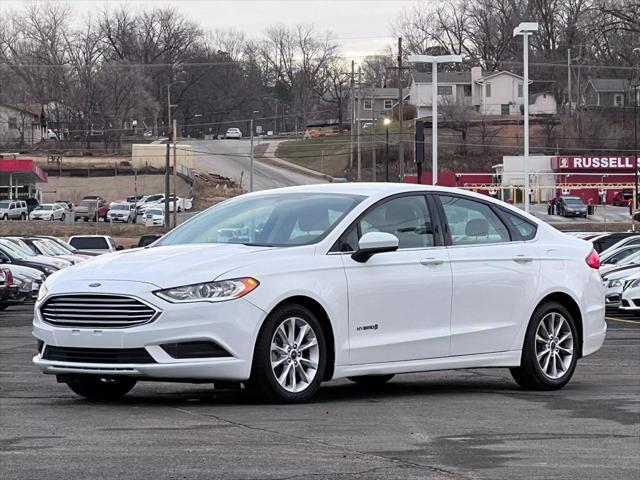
(273, 220)
(15, 251)
(120, 207)
(573, 201)
(154, 212)
(53, 247)
(4, 204)
(88, 203)
(44, 207)
(44, 249)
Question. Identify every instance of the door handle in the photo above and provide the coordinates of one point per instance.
(431, 261)
(522, 259)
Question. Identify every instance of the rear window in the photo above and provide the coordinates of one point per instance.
(89, 243)
(527, 229)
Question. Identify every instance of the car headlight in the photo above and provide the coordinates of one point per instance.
(42, 292)
(210, 292)
(615, 283)
(60, 264)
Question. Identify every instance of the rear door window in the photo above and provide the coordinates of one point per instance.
(471, 222)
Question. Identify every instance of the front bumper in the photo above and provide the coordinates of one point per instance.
(233, 325)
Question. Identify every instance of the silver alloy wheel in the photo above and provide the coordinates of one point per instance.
(554, 345)
(295, 354)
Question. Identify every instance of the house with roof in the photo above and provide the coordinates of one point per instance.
(488, 93)
(607, 92)
(20, 125)
(373, 103)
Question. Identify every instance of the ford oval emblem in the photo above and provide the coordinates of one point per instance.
(93, 285)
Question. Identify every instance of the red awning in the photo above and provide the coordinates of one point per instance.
(23, 171)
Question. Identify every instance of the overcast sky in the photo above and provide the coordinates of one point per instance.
(361, 27)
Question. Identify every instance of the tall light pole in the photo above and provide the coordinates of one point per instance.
(387, 122)
(168, 155)
(525, 29)
(434, 60)
(253, 115)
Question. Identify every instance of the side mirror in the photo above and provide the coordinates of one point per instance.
(119, 247)
(375, 242)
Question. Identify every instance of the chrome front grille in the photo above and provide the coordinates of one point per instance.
(97, 311)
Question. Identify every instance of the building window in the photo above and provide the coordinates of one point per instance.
(13, 123)
(487, 90)
(445, 90)
(520, 90)
(618, 100)
(388, 104)
(467, 90)
(367, 104)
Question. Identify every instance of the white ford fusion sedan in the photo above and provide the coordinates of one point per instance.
(284, 289)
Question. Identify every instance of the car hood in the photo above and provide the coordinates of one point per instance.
(163, 266)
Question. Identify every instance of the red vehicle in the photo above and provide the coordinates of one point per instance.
(623, 198)
(91, 209)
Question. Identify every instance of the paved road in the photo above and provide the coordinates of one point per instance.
(447, 425)
(231, 158)
(608, 214)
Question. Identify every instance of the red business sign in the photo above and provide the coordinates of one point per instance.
(595, 163)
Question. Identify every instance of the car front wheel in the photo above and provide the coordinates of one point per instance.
(290, 356)
(550, 349)
(101, 388)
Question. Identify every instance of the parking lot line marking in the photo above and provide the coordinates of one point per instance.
(637, 322)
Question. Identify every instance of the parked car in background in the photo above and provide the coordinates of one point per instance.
(612, 257)
(630, 298)
(91, 209)
(288, 288)
(9, 253)
(51, 135)
(627, 241)
(147, 200)
(94, 243)
(13, 210)
(68, 248)
(68, 203)
(48, 211)
(32, 203)
(153, 217)
(122, 212)
(613, 281)
(604, 241)
(146, 240)
(571, 207)
(234, 133)
(42, 246)
(26, 274)
(623, 197)
(7, 286)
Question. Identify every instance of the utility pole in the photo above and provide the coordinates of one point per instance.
(353, 113)
(166, 183)
(569, 77)
(373, 133)
(251, 171)
(175, 174)
(635, 138)
(359, 109)
(400, 112)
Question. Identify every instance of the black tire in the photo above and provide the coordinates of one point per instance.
(62, 217)
(85, 219)
(371, 380)
(5, 217)
(529, 375)
(101, 388)
(263, 382)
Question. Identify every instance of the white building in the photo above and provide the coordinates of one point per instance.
(495, 93)
(19, 126)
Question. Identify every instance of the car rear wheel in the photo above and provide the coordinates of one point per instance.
(62, 217)
(101, 388)
(371, 380)
(290, 356)
(23, 216)
(550, 349)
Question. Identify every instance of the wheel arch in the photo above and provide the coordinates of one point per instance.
(321, 314)
(568, 302)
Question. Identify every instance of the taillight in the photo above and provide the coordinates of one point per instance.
(9, 279)
(593, 260)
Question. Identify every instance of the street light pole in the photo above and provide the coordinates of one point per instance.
(251, 172)
(434, 60)
(168, 156)
(525, 29)
(386, 122)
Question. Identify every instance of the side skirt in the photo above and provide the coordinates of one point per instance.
(497, 359)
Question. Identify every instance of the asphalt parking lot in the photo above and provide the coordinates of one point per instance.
(473, 424)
